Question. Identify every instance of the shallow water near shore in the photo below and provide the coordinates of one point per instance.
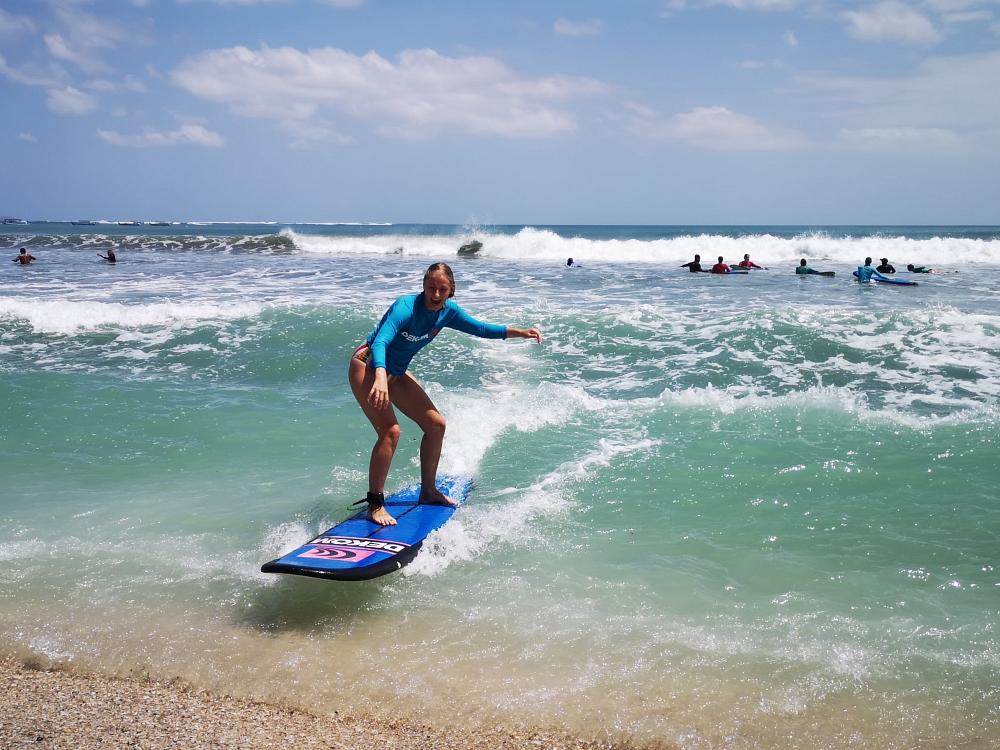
(716, 511)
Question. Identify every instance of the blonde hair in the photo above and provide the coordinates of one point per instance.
(446, 270)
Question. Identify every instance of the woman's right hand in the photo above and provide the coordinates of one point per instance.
(378, 396)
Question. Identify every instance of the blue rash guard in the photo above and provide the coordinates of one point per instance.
(408, 326)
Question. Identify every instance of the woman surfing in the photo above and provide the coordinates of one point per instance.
(379, 380)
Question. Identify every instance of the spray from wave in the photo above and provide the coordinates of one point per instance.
(547, 245)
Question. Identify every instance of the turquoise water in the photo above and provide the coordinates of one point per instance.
(746, 511)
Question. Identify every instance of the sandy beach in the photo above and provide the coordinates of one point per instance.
(49, 708)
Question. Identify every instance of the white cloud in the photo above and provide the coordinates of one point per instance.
(760, 5)
(70, 101)
(128, 83)
(421, 94)
(238, 2)
(955, 6)
(83, 38)
(27, 137)
(790, 39)
(969, 16)
(566, 27)
(955, 93)
(32, 75)
(902, 138)
(14, 24)
(60, 49)
(192, 134)
(306, 132)
(891, 20)
(760, 64)
(716, 128)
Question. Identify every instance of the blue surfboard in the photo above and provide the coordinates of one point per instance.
(358, 549)
(886, 280)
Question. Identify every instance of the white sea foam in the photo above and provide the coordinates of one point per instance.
(22, 549)
(838, 398)
(482, 417)
(546, 245)
(511, 520)
(67, 317)
(430, 246)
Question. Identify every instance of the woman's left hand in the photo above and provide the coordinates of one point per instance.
(526, 333)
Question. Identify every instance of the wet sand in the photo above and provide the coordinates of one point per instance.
(46, 708)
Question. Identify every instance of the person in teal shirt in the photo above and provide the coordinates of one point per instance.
(918, 269)
(804, 269)
(865, 272)
(379, 380)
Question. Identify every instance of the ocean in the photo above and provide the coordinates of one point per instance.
(745, 511)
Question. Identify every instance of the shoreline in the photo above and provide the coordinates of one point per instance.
(46, 707)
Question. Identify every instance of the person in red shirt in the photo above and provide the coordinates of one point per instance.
(747, 263)
(720, 267)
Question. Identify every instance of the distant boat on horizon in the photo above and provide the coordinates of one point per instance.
(83, 223)
(130, 223)
(157, 223)
(11, 220)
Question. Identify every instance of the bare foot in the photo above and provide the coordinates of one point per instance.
(381, 516)
(436, 497)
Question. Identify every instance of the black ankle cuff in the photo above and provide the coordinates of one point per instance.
(375, 501)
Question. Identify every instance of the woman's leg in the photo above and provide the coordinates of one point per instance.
(361, 378)
(411, 399)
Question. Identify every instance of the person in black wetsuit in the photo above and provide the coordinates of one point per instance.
(885, 267)
(694, 266)
(110, 257)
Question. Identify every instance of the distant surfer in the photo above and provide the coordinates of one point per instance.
(694, 266)
(110, 257)
(569, 262)
(747, 263)
(803, 269)
(720, 267)
(865, 272)
(379, 380)
(24, 257)
(885, 266)
(918, 269)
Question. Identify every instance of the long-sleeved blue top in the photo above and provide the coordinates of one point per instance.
(408, 326)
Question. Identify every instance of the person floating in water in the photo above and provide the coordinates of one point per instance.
(885, 267)
(24, 258)
(569, 263)
(747, 263)
(694, 266)
(865, 272)
(110, 257)
(805, 269)
(918, 269)
(720, 267)
(379, 380)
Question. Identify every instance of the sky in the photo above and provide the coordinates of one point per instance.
(585, 112)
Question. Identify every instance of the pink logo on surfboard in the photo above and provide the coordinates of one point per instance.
(338, 553)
